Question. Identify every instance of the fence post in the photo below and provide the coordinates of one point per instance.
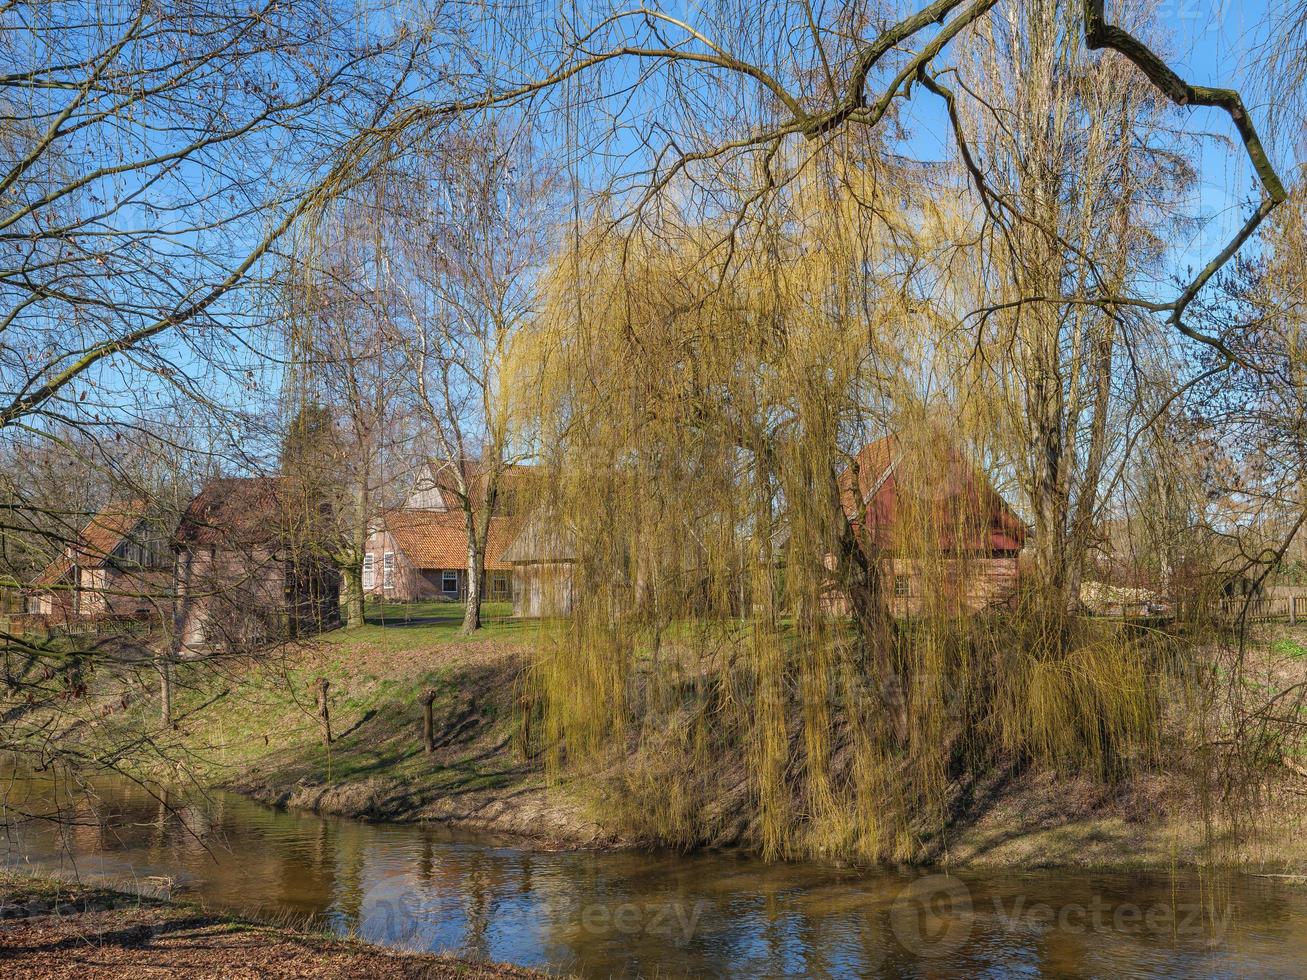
(323, 684)
(428, 728)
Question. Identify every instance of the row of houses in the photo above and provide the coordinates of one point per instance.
(231, 572)
(238, 568)
(975, 538)
(234, 570)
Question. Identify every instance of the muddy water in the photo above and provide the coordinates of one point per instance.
(665, 915)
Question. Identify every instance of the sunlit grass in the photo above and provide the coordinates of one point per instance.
(265, 712)
(1286, 647)
(407, 626)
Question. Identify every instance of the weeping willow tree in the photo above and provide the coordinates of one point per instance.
(765, 450)
(795, 397)
(1250, 436)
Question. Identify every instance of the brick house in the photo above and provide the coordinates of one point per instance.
(419, 550)
(118, 567)
(945, 539)
(422, 554)
(245, 573)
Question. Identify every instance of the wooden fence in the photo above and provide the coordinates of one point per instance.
(47, 627)
(1292, 609)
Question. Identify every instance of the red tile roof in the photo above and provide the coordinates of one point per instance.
(239, 511)
(97, 541)
(438, 539)
(965, 513)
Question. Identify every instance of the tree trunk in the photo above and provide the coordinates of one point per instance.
(1046, 415)
(1087, 497)
(472, 610)
(875, 631)
(165, 689)
(352, 573)
(860, 577)
(323, 712)
(1050, 516)
(181, 609)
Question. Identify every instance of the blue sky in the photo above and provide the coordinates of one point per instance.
(1210, 41)
(1221, 43)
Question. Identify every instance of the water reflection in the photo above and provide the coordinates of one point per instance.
(641, 914)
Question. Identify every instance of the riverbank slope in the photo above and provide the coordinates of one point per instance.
(254, 728)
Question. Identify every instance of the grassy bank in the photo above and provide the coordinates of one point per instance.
(53, 928)
(252, 725)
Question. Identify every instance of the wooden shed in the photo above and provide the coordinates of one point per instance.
(542, 558)
(945, 539)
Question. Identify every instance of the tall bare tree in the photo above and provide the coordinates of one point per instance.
(1082, 179)
(478, 223)
(347, 383)
(152, 158)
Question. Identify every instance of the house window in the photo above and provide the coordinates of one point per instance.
(499, 585)
(369, 573)
(388, 570)
(449, 581)
(902, 586)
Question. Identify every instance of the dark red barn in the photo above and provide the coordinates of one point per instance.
(945, 539)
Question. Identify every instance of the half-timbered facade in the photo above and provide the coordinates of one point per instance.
(118, 566)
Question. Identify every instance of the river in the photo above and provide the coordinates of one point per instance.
(663, 914)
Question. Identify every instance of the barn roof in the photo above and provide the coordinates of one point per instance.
(438, 539)
(97, 541)
(891, 478)
(236, 511)
(541, 540)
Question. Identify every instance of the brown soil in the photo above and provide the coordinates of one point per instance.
(53, 929)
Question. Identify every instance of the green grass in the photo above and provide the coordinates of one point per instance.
(263, 715)
(432, 609)
(1286, 647)
(413, 625)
